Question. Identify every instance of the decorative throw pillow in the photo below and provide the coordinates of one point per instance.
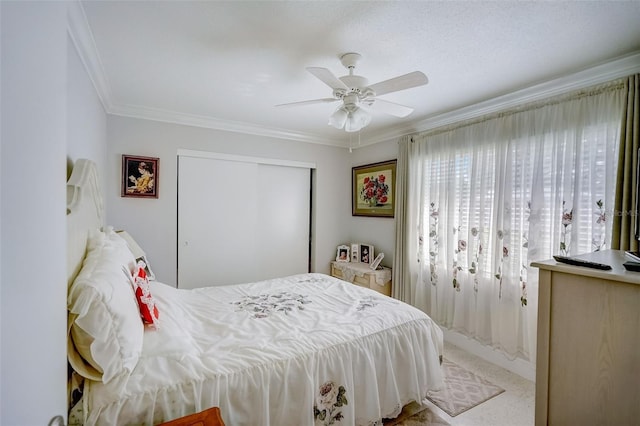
(146, 303)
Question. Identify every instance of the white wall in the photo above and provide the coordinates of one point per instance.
(50, 116)
(152, 222)
(377, 231)
(86, 118)
(33, 277)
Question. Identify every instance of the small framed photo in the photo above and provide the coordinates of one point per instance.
(343, 254)
(376, 261)
(373, 189)
(355, 253)
(365, 253)
(139, 177)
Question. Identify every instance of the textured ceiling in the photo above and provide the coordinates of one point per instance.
(226, 64)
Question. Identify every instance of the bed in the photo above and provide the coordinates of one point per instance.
(299, 350)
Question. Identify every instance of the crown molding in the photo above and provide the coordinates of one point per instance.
(598, 74)
(82, 38)
(165, 116)
(601, 73)
(80, 33)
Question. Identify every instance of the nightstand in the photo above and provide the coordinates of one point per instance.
(361, 274)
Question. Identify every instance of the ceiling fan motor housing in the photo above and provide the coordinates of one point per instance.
(351, 101)
(355, 82)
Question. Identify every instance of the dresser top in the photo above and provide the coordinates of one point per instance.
(615, 258)
(357, 266)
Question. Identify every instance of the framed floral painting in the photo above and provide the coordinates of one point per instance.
(373, 192)
(139, 177)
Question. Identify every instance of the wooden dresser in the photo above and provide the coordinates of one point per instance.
(361, 274)
(588, 351)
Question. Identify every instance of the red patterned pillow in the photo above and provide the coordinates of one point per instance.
(146, 303)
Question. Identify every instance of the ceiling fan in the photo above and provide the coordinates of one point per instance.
(358, 97)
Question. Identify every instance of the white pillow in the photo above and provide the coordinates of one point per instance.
(104, 320)
(137, 252)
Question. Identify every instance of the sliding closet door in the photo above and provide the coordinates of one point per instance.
(283, 221)
(240, 221)
(215, 214)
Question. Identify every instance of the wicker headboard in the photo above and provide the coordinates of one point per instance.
(85, 212)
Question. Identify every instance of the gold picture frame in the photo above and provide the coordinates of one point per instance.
(373, 189)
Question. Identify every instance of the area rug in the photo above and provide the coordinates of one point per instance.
(462, 391)
(414, 414)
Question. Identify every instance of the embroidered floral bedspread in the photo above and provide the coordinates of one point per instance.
(301, 350)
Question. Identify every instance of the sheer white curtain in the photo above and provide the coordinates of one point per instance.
(488, 198)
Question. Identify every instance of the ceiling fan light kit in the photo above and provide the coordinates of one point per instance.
(339, 118)
(350, 115)
(357, 120)
(354, 91)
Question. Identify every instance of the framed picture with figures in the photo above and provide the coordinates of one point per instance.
(343, 254)
(365, 253)
(139, 177)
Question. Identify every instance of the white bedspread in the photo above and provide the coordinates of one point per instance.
(302, 350)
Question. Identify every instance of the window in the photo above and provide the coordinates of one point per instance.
(497, 195)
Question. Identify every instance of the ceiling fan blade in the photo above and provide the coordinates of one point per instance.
(309, 102)
(327, 78)
(407, 81)
(391, 108)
